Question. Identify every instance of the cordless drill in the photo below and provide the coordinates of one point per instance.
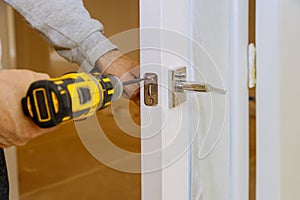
(74, 96)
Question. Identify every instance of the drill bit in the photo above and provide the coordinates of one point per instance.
(136, 80)
(133, 81)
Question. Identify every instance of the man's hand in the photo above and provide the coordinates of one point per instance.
(15, 127)
(125, 68)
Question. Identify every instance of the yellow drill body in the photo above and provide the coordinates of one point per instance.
(73, 96)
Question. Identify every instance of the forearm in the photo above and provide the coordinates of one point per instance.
(68, 26)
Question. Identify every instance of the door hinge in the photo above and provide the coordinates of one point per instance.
(251, 65)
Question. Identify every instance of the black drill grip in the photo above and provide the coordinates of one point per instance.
(46, 104)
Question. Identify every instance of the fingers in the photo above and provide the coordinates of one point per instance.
(15, 128)
(3, 146)
(40, 76)
(125, 68)
(135, 97)
(132, 91)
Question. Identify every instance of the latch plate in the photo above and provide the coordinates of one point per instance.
(150, 90)
(175, 75)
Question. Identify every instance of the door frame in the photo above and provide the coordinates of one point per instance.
(239, 100)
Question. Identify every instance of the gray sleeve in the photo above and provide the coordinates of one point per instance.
(68, 26)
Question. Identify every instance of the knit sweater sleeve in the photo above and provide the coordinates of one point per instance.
(68, 26)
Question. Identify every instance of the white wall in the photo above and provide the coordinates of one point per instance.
(278, 99)
(289, 50)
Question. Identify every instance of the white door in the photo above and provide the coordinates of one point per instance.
(199, 148)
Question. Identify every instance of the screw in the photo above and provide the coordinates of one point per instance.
(150, 101)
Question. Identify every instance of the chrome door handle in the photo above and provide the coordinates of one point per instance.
(178, 86)
(182, 86)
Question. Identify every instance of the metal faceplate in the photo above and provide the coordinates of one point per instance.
(150, 89)
(176, 97)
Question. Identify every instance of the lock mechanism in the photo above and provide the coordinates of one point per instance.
(178, 87)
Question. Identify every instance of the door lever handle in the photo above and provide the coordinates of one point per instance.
(178, 86)
(183, 86)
